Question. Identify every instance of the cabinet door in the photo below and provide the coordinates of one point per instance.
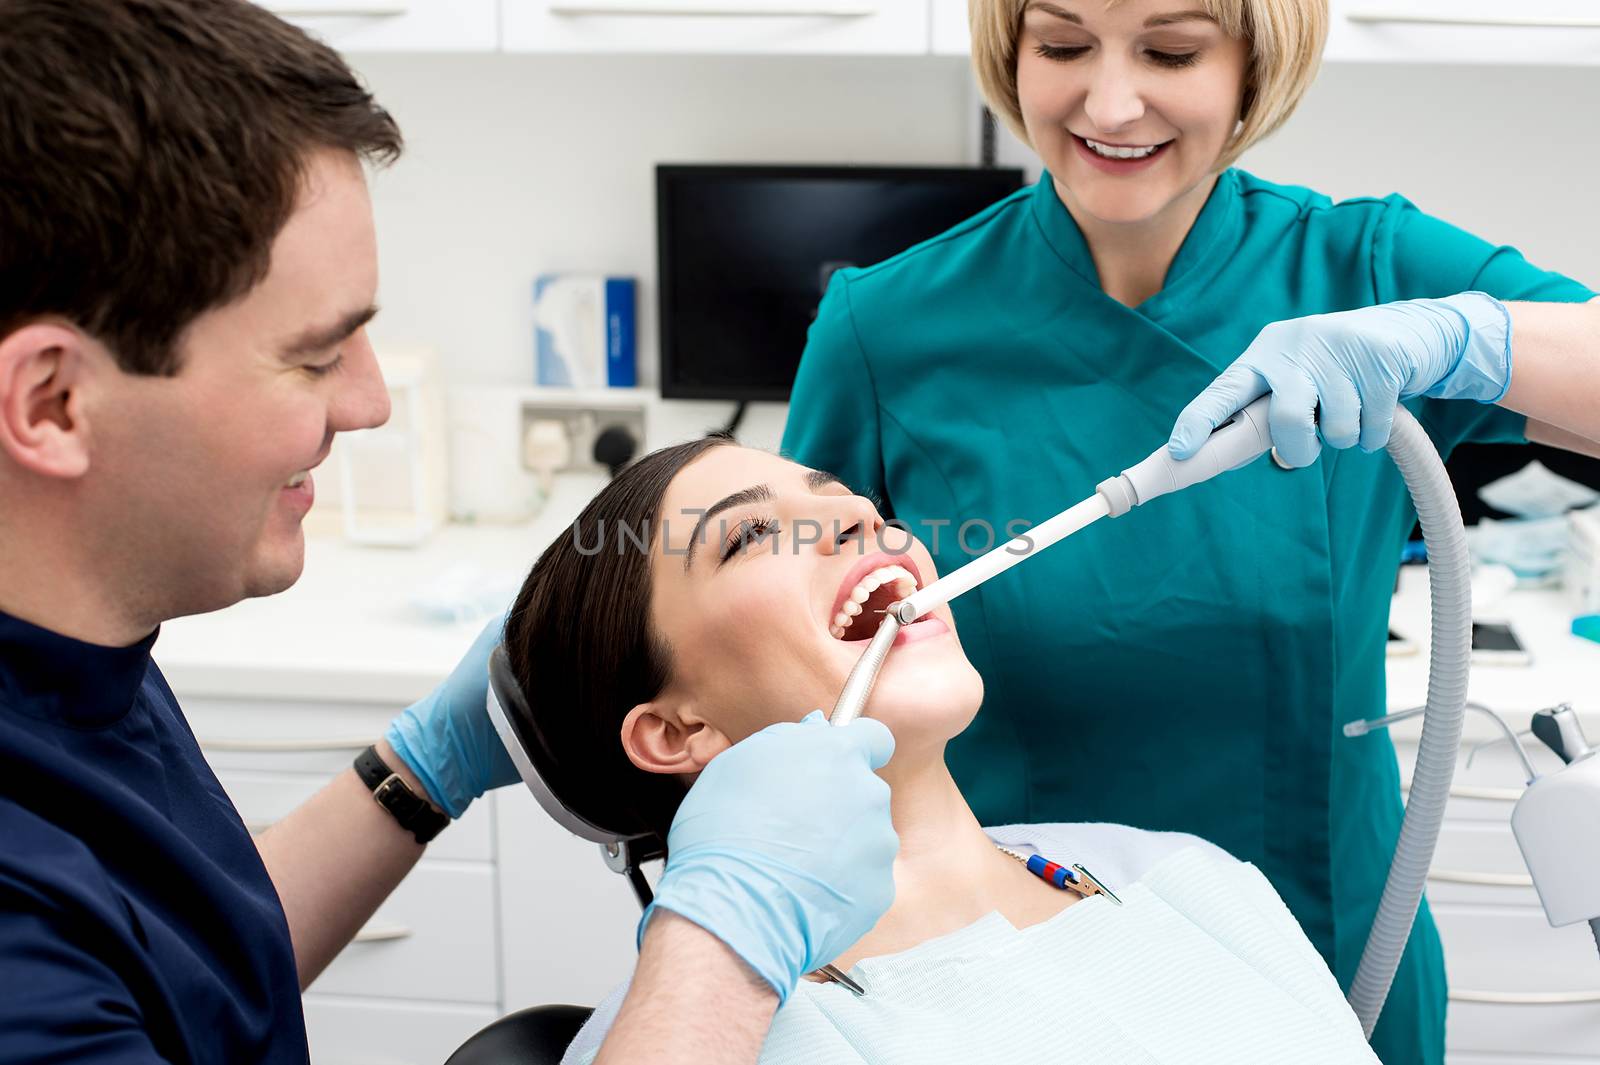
(951, 33)
(1535, 32)
(396, 25)
(881, 27)
(352, 1030)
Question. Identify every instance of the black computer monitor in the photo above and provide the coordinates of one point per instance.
(745, 253)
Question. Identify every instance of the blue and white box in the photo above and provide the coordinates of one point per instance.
(584, 331)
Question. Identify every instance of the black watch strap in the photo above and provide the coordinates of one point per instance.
(414, 813)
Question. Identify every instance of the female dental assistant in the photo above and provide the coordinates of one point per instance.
(1189, 668)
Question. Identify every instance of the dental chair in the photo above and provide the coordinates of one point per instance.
(540, 1034)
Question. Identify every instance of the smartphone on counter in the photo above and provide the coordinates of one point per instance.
(1495, 644)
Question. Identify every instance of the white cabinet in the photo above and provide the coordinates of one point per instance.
(424, 972)
(952, 34)
(396, 25)
(1521, 992)
(865, 27)
(282, 692)
(1533, 32)
(1519, 989)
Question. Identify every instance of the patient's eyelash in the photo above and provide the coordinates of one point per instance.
(746, 531)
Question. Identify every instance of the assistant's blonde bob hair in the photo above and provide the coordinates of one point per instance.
(1285, 38)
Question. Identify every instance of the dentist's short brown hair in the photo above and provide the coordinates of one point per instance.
(150, 152)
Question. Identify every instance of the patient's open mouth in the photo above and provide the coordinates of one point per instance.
(872, 585)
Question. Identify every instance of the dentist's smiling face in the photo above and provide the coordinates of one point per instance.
(1128, 105)
(750, 605)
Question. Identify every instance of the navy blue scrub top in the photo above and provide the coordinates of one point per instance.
(137, 923)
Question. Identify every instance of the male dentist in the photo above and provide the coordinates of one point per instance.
(187, 264)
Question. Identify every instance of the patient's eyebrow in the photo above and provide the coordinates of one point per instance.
(816, 479)
(756, 493)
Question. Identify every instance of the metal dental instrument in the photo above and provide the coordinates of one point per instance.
(1238, 441)
(858, 685)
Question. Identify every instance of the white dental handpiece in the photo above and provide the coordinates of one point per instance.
(1240, 440)
(1237, 442)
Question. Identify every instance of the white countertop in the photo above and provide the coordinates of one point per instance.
(347, 631)
(1564, 667)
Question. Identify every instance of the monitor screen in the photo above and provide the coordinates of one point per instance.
(745, 254)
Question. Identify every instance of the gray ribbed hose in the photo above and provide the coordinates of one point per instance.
(1450, 584)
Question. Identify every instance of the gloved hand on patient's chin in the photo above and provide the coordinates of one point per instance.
(783, 848)
(447, 738)
(1356, 366)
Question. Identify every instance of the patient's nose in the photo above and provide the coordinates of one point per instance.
(855, 527)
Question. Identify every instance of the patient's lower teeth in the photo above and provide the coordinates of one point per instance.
(852, 607)
(836, 632)
(860, 595)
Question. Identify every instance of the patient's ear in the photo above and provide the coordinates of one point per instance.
(661, 738)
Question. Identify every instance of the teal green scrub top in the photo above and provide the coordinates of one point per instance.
(1188, 666)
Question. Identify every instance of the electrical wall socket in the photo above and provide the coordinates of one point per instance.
(584, 420)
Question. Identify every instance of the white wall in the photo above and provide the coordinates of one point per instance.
(524, 164)
(1512, 154)
(518, 165)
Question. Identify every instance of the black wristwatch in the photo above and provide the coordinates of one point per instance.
(414, 813)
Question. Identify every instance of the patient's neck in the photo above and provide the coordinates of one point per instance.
(948, 872)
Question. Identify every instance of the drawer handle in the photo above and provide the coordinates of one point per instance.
(711, 9)
(1556, 22)
(1457, 876)
(382, 933)
(334, 8)
(1526, 998)
(335, 743)
(1470, 791)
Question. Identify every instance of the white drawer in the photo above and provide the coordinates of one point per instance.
(347, 1030)
(699, 27)
(294, 737)
(1504, 948)
(1525, 1030)
(263, 798)
(438, 941)
(1474, 1057)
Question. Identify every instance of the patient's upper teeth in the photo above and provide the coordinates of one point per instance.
(899, 576)
(851, 607)
(841, 620)
(836, 632)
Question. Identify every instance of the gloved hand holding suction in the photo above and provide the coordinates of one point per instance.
(447, 738)
(784, 849)
(1355, 367)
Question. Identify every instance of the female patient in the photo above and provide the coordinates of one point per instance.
(711, 590)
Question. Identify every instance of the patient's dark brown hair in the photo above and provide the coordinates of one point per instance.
(582, 648)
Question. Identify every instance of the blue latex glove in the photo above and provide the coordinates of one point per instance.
(1356, 366)
(783, 849)
(447, 738)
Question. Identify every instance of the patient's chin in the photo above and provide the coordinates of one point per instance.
(927, 705)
